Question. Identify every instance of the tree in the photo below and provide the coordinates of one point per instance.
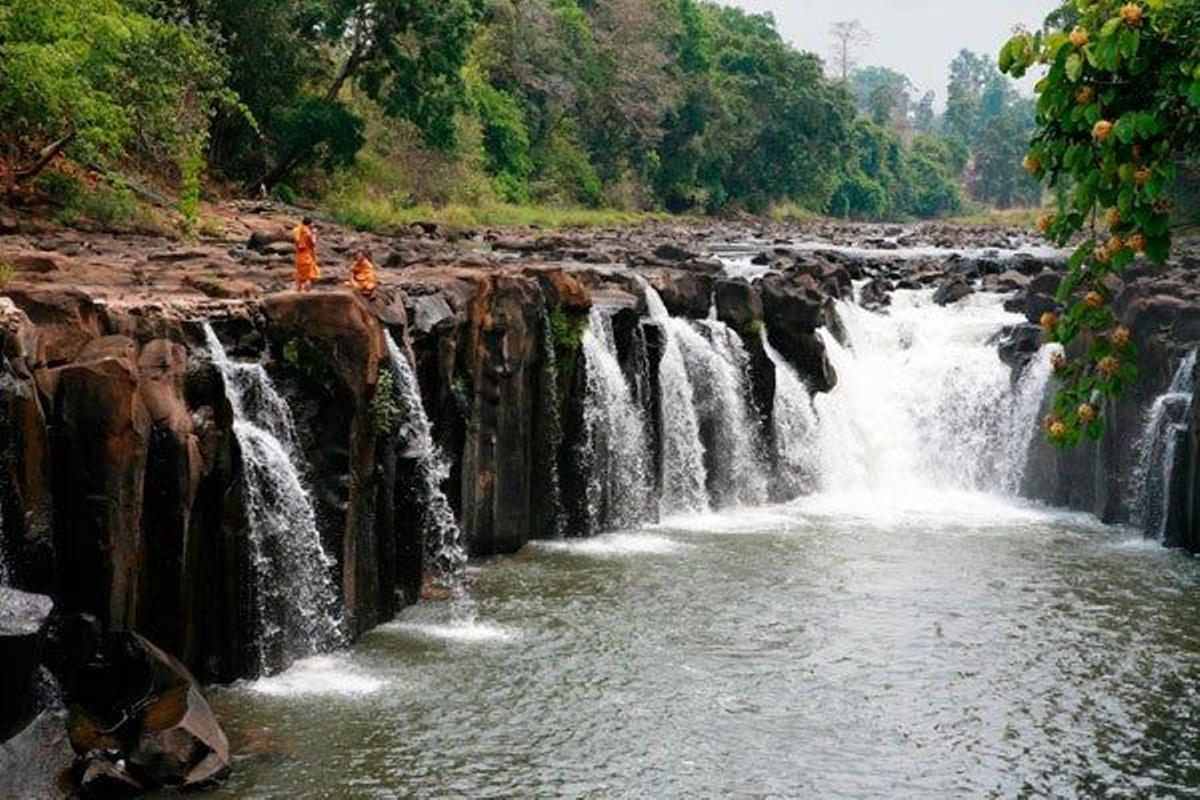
(884, 95)
(1118, 107)
(100, 81)
(406, 55)
(924, 117)
(848, 37)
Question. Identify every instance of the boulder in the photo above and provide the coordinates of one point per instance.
(875, 294)
(685, 294)
(739, 305)
(793, 301)
(137, 718)
(23, 620)
(952, 290)
(1018, 344)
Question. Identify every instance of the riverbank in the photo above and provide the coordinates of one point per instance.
(175, 419)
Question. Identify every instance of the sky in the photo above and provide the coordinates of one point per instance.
(916, 37)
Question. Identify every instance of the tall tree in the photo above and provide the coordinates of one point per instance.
(848, 37)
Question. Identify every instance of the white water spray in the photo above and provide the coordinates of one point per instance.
(718, 365)
(444, 550)
(684, 477)
(294, 596)
(916, 405)
(616, 450)
(796, 430)
(1165, 421)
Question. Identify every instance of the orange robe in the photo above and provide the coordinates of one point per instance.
(306, 254)
(362, 276)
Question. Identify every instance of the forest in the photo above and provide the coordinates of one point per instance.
(375, 110)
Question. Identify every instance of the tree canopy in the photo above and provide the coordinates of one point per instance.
(1118, 108)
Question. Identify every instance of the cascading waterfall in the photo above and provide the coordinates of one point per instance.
(294, 596)
(795, 428)
(684, 477)
(718, 364)
(915, 406)
(616, 451)
(1029, 397)
(1165, 422)
(444, 550)
(554, 424)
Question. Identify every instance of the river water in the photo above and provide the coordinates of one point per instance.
(901, 631)
(946, 646)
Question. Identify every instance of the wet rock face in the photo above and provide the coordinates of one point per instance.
(23, 620)
(1159, 304)
(794, 307)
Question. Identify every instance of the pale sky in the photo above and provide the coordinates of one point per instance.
(916, 37)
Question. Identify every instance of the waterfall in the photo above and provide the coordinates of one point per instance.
(295, 601)
(1028, 401)
(5, 577)
(795, 428)
(916, 403)
(718, 365)
(444, 550)
(1165, 422)
(554, 425)
(616, 452)
(684, 478)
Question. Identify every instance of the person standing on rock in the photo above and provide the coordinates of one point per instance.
(307, 270)
(362, 274)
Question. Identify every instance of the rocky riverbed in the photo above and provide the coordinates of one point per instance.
(123, 500)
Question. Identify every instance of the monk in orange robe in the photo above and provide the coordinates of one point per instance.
(362, 274)
(307, 270)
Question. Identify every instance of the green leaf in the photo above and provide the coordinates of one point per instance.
(1075, 67)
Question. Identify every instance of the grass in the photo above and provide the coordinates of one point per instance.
(381, 216)
(998, 218)
(794, 214)
(7, 273)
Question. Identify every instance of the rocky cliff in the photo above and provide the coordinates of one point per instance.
(123, 485)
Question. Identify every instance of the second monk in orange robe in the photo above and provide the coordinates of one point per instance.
(362, 274)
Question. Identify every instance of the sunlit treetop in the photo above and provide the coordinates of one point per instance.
(1118, 108)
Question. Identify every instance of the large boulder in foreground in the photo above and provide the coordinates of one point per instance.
(137, 718)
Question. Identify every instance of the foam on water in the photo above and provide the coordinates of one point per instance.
(614, 545)
(739, 520)
(327, 675)
(464, 631)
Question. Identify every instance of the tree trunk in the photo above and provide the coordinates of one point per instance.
(45, 157)
(286, 164)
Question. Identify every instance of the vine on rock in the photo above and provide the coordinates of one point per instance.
(1118, 108)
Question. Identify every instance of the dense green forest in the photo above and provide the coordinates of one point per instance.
(372, 108)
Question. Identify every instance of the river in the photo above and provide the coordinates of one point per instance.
(910, 628)
(960, 646)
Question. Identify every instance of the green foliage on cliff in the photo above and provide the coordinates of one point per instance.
(1118, 109)
(385, 411)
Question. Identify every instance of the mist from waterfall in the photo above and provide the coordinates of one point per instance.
(616, 451)
(923, 401)
(295, 600)
(1165, 423)
(445, 552)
